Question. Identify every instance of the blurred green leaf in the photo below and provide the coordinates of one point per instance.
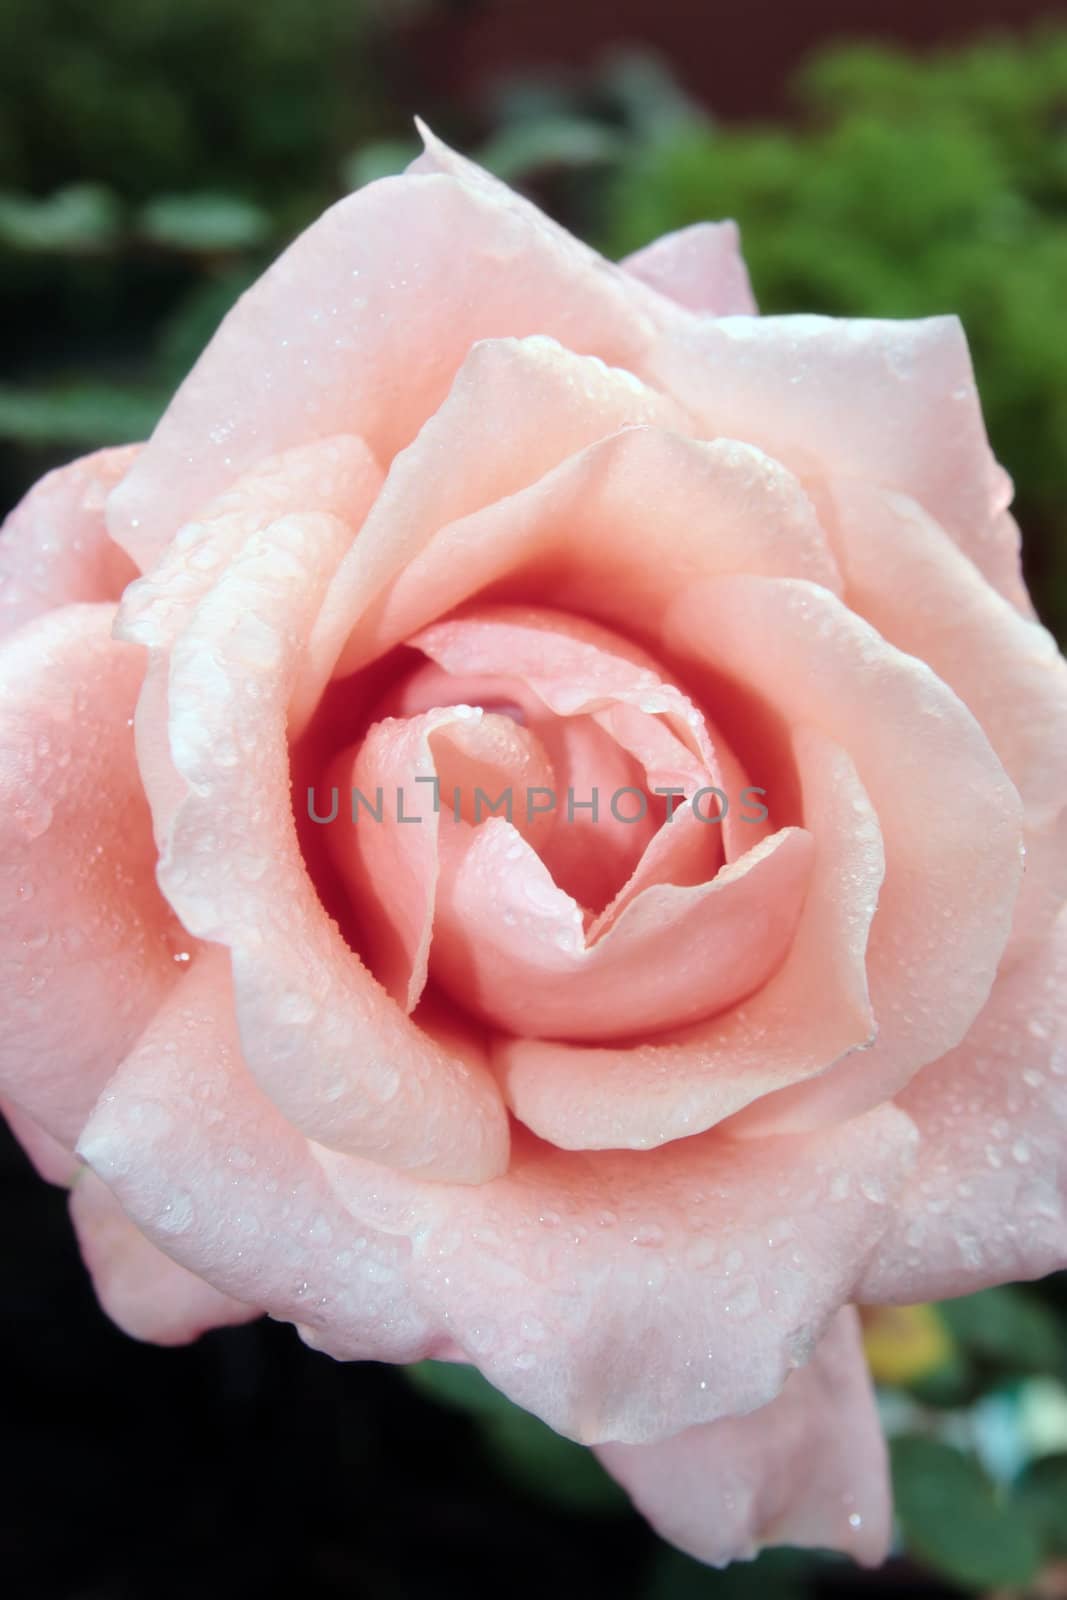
(529, 1451)
(381, 158)
(773, 1575)
(1042, 1494)
(454, 1384)
(1007, 1328)
(953, 1520)
(204, 223)
(84, 216)
(952, 1385)
(83, 415)
(651, 99)
(516, 152)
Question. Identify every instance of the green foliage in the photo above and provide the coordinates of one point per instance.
(380, 158)
(1042, 1492)
(953, 1519)
(82, 415)
(180, 94)
(774, 1575)
(1008, 1330)
(526, 147)
(152, 159)
(914, 188)
(204, 223)
(84, 216)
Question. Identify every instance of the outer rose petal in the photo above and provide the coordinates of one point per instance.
(988, 1199)
(206, 1167)
(892, 403)
(626, 1295)
(950, 819)
(360, 327)
(809, 1469)
(790, 385)
(54, 547)
(147, 1294)
(87, 943)
(332, 1050)
(701, 267)
(54, 1162)
(336, 476)
(906, 576)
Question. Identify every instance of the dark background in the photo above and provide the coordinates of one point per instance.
(248, 1466)
(736, 56)
(153, 156)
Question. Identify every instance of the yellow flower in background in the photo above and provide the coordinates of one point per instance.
(905, 1343)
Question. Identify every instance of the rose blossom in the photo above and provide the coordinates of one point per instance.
(628, 1114)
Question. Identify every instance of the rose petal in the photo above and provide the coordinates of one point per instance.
(907, 577)
(336, 1055)
(987, 1202)
(624, 1295)
(891, 403)
(716, 507)
(591, 860)
(385, 845)
(147, 1294)
(516, 409)
(213, 1175)
(53, 1161)
(54, 546)
(614, 1098)
(809, 1469)
(338, 332)
(338, 476)
(594, 858)
(950, 819)
(87, 943)
(1044, 887)
(701, 267)
(686, 853)
(576, 668)
(510, 945)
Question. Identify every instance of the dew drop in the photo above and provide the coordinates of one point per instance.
(177, 1214)
(840, 1186)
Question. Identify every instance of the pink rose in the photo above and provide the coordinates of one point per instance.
(627, 1109)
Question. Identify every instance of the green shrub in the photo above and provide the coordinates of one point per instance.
(910, 187)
